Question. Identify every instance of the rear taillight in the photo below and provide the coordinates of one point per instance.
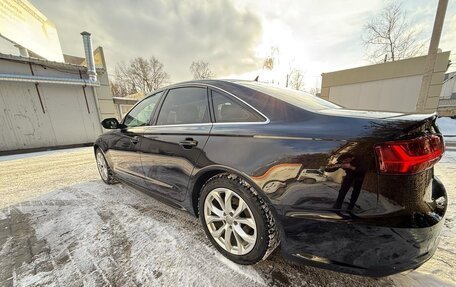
(409, 156)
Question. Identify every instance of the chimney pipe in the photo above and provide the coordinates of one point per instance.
(91, 71)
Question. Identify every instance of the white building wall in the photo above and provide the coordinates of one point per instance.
(71, 120)
(66, 120)
(392, 86)
(398, 94)
(23, 123)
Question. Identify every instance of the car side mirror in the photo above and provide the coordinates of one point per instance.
(111, 123)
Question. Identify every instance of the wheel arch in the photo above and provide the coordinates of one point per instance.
(99, 144)
(204, 174)
(95, 147)
(197, 183)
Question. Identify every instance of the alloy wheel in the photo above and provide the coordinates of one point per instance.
(230, 221)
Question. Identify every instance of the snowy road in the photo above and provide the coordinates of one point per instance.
(61, 226)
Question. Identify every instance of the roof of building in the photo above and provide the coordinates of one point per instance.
(44, 62)
(129, 99)
(449, 75)
(136, 96)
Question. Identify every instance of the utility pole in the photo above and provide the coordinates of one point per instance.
(432, 55)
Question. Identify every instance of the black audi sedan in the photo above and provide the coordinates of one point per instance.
(263, 166)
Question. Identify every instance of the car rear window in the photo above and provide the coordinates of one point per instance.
(228, 111)
(294, 97)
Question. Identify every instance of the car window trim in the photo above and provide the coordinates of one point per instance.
(154, 124)
(242, 103)
(205, 85)
(178, 125)
(208, 88)
(267, 121)
(210, 104)
(154, 118)
(137, 103)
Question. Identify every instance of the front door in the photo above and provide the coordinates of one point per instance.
(124, 154)
(126, 142)
(171, 147)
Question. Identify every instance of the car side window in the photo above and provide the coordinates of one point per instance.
(142, 113)
(228, 110)
(184, 106)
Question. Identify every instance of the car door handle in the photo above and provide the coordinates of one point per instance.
(188, 143)
(134, 140)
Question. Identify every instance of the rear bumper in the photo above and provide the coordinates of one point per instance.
(363, 250)
(363, 247)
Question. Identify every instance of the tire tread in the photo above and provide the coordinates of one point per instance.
(111, 178)
(273, 236)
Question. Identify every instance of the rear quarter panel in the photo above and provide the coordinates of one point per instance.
(276, 159)
(291, 164)
(280, 163)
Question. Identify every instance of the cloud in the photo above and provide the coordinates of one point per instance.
(313, 36)
(234, 36)
(176, 32)
(324, 36)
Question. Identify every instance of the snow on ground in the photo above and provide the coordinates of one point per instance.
(70, 229)
(28, 175)
(38, 153)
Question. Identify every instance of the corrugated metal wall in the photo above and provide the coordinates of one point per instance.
(62, 117)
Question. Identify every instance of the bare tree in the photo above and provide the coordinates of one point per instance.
(140, 75)
(119, 89)
(200, 70)
(296, 79)
(314, 91)
(389, 37)
(271, 62)
(268, 63)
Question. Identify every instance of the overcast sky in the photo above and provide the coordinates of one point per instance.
(234, 36)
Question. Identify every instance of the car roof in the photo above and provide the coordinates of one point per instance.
(211, 82)
(259, 95)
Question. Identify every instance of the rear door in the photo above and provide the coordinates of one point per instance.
(171, 147)
(125, 145)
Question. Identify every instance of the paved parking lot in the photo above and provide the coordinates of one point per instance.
(61, 226)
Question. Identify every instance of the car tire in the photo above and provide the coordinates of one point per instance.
(243, 217)
(103, 168)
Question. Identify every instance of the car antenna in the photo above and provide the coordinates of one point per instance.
(256, 78)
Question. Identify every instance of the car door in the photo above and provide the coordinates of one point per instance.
(125, 147)
(171, 147)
